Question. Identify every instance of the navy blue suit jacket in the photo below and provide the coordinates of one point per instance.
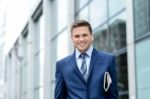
(70, 83)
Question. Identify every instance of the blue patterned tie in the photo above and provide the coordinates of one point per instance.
(83, 66)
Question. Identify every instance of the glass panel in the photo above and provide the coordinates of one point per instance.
(39, 58)
(62, 14)
(24, 49)
(84, 14)
(36, 54)
(62, 47)
(117, 32)
(41, 68)
(2, 67)
(143, 68)
(98, 12)
(141, 17)
(82, 3)
(113, 39)
(24, 96)
(122, 75)
(37, 37)
(115, 6)
(36, 94)
(25, 77)
(36, 70)
(24, 68)
(144, 94)
(101, 38)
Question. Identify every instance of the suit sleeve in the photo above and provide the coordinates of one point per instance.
(113, 90)
(60, 89)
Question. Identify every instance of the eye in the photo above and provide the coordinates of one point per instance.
(84, 35)
(76, 36)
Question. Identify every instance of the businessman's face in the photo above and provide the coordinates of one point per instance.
(82, 38)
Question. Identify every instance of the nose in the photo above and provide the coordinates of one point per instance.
(81, 38)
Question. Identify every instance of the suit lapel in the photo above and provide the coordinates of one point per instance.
(93, 61)
(77, 71)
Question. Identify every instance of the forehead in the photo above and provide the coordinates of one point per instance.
(81, 29)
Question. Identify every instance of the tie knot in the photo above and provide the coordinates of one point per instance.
(82, 55)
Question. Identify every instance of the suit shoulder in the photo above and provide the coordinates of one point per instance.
(65, 59)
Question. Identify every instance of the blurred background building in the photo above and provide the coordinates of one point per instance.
(34, 34)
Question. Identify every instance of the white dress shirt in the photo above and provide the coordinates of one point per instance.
(87, 58)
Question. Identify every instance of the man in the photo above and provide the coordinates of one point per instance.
(87, 73)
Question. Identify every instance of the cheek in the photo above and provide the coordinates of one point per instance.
(74, 41)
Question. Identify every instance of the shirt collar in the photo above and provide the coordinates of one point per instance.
(88, 52)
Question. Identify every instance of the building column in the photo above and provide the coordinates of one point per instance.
(71, 13)
(47, 76)
(131, 50)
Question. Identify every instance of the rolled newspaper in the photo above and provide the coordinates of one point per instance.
(107, 81)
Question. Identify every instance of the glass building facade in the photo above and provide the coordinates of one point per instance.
(142, 46)
(108, 19)
(43, 37)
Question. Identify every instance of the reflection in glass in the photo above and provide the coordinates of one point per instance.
(101, 38)
(121, 61)
(117, 32)
(98, 12)
(62, 14)
(80, 3)
(117, 35)
(141, 17)
(84, 14)
(108, 19)
(112, 38)
(115, 6)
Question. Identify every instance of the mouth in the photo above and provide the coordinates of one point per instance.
(82, 44)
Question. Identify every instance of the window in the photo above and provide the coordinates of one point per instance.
(62, 47)
(62, 14)
(38, 58)
(23, 70)
(81, 3)
(117, 32)
(141, 17)
(98, 12)
(143, 68)
(2, 63)
(84, 14)
(116, 6)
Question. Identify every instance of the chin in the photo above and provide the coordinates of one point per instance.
(82, 50)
